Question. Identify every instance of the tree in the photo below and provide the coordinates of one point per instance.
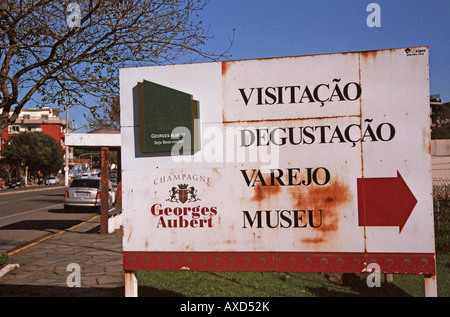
(440, 119)
(38, 151)
(48, 52)
(105, 115)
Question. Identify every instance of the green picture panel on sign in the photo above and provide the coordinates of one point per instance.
(167, 118)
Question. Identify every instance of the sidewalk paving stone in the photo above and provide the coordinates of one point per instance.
(43, 267)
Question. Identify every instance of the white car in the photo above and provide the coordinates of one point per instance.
(53, 180)
(85, 192)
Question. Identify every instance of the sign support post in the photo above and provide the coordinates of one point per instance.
(104, 194)
(430, 286)
(131, 284)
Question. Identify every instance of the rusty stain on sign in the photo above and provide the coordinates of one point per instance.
(262, 193)
(328, 199)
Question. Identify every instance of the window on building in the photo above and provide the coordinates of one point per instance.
(13, 129)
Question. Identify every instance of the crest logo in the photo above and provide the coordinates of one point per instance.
(183, 194)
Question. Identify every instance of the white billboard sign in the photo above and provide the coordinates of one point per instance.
(311, 163)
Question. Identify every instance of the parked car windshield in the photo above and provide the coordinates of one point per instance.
(84, 182)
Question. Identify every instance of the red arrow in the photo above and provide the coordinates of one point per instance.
(384, 201)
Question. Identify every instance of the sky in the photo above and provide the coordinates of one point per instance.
(277, 28)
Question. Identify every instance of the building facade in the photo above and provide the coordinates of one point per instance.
(46, 120)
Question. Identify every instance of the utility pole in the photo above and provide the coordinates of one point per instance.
(66, 166)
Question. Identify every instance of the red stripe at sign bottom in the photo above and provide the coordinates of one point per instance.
(413, 263)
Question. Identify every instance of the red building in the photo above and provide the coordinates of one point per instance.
(46, 120)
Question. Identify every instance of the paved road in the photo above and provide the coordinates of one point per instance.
(30, 214)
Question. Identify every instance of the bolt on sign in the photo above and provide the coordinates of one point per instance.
(312, 163)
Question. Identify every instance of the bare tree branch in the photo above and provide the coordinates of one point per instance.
(41, 57)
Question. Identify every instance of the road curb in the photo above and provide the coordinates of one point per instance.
(2, 192)
(20, 249)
